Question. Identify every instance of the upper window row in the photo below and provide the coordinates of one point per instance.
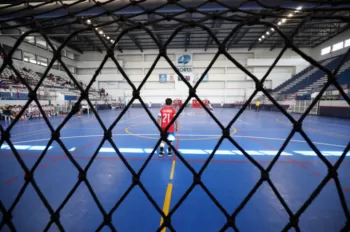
(40, 42)
(35, 59)
(335, 47)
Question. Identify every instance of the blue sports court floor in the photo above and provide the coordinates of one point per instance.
(229, 177)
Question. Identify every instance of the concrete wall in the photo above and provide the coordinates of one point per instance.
(226, 83)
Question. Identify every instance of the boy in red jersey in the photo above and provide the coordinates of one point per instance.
(165, 116)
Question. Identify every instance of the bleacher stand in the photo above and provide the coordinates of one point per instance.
(12, 88)
(311, 80)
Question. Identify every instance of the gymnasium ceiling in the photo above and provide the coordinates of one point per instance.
(59, 19)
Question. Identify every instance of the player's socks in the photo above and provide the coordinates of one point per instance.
(169, 151)
(161, 152)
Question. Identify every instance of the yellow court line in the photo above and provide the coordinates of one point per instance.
(169, 190)
(166, 205)
(172, 170)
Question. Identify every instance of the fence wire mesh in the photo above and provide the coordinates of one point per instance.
(39, 27)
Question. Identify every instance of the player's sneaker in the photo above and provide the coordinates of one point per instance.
(169, 154)
(161, 153)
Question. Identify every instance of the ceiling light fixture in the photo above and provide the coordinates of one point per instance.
(107, 37)
(290, 15)
(279, 23)
(272, 29)
(88, 21)
(283, 20)
(101, 32)
(263, 37)
(267, 33)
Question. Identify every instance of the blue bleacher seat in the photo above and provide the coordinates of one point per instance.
(343, 78)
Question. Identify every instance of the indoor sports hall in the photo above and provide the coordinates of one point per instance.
(174, 115)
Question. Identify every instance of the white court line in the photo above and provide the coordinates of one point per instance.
(220, 152)
(18, 147)
(306, 153)
(192, 151)
(39, 148)
(182, 135)
(124, 120)
(131, 150)
(275, 153)
(336, 153)
(253, 152)
(244, 122)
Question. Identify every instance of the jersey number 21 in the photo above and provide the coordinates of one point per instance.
(166, 118)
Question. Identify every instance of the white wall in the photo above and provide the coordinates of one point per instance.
(316, 52)
(226, 81)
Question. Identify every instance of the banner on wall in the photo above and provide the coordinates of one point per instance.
(184, 63)
(197, 76)
(187, 77)
(163, 78)
(171, 78)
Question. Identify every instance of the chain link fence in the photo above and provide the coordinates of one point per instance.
(255, 18)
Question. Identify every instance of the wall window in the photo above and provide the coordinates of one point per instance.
(326, 50)
(71, 69)
(347, 43)
(29, 57)
(40, 42)
(53, 46)
(41, 61)
(337, 46)
(30, 39)
(70, 55)
(63, 52)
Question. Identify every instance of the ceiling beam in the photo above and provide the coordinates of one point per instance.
(188, 34)
(132, 37)
(264, 33)
(187, 40)
(319, 40)
(237, 37)
(82, 38)
(152, 17)
(305, 28)
(216, 23)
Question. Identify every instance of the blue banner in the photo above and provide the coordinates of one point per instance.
(163, 78)
(70, 98)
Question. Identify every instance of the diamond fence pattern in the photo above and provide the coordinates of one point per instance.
(110, 54)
